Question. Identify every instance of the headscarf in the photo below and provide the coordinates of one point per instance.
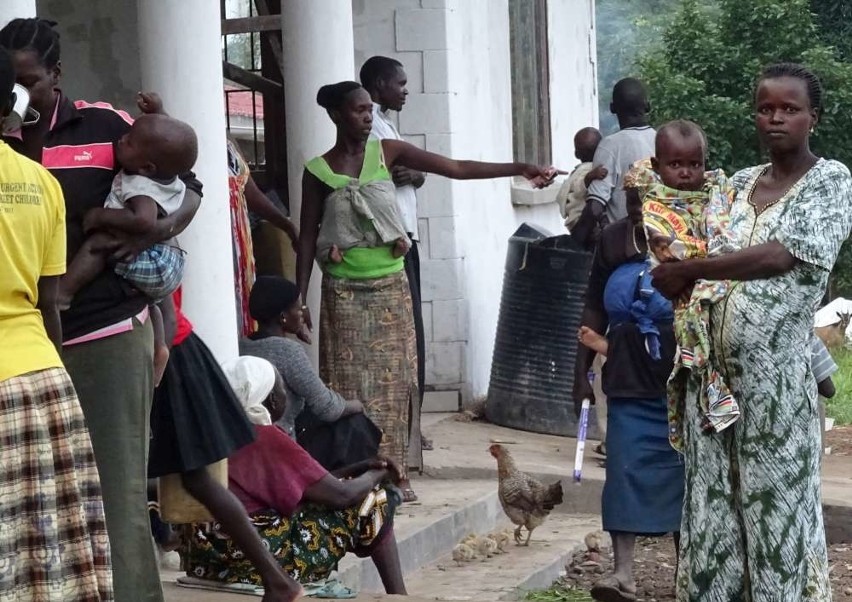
(252, 379)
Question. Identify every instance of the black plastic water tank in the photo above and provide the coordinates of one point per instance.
(532, 370)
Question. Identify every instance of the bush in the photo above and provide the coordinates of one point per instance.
(707, 66)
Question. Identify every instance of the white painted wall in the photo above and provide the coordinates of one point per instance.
(456, 53)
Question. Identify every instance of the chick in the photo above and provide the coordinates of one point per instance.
(501, 538)
(486, 547)
(594, 542)
(469, 538)
(463, 553)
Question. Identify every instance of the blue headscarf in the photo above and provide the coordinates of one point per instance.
(629, 297)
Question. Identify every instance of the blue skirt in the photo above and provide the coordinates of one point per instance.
(643, 491)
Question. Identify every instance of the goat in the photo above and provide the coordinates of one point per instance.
(834, 335)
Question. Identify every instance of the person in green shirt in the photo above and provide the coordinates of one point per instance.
(351, 225)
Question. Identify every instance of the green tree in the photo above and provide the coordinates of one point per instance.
(706, 68)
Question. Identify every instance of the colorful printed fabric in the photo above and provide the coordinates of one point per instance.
(157, 271)
(368, 352)
(688, 224)
(752, 519)
(53, 541)
(244, 272)
(307, 545)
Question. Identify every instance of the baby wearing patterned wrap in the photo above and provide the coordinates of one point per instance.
(685, 210)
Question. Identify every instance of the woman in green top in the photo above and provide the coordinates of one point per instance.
(351, 225)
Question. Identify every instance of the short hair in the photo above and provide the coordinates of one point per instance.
(629, 97)
(173, 143)
(333, 96)
(7, 78)
(34, 34)
(270, 297)
(586, 142)
(801, 72)
(683, 128)
(376, 68)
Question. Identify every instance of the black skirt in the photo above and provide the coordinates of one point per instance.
(196, 419)
(339, 444)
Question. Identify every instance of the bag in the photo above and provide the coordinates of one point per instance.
(376, 511)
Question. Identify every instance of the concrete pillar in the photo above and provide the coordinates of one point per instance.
(13, 9)
(319, 49)
(186, 70)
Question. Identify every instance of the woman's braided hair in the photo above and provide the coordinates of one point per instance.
(801, 72)
(37, 35)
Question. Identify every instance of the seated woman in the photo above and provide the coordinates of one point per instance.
(334, 431)
(309, 518)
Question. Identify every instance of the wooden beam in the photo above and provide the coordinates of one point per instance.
(251, 80)
(272, 38)
(251, 24)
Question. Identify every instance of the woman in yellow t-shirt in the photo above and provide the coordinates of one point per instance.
(367, 341)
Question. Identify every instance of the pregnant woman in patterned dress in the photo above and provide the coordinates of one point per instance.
(752, 520)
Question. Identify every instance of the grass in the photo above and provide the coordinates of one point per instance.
(840, 406)
(559, 593)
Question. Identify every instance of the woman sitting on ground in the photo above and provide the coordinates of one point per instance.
(334, 431)
(308, 518)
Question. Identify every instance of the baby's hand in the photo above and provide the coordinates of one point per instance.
(334, 255)
(400, 248)
(149, 103)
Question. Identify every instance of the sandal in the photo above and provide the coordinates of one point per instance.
(610, 589)
(408, 495)
(426, 444)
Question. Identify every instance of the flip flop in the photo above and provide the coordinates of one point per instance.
(609, 589)
(216, 586)
(331, 589)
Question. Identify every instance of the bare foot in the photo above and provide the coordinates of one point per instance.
(400, 248)
(334, 255)
(287, 591)
(408, 494)
(593, 340)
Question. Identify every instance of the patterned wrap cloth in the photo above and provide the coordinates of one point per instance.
(243, 250)
(308, 545)
(695, 224)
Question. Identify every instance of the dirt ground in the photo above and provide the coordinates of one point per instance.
(839, 439)
(655, 566)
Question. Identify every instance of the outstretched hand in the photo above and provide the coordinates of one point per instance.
(149, 103)
(541, 177)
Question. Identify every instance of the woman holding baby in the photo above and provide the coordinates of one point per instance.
(752, 518)
(351, 225)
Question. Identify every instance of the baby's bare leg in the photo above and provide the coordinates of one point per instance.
(85, 266)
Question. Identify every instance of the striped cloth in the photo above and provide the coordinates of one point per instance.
(822, 364)
(157, 271)
(53, 538)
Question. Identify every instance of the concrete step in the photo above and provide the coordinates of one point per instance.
(507, 576)
(428, 529)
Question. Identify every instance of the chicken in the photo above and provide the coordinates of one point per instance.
(526, 501)
(463, 553)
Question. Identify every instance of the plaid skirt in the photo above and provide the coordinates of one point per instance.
(157, 271)
(53, 537)
(368, 351)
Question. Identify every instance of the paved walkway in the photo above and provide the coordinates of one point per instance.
(461, 453)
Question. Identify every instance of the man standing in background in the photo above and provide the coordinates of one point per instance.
(385, 79)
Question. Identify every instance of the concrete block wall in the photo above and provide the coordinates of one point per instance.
(415, 32)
